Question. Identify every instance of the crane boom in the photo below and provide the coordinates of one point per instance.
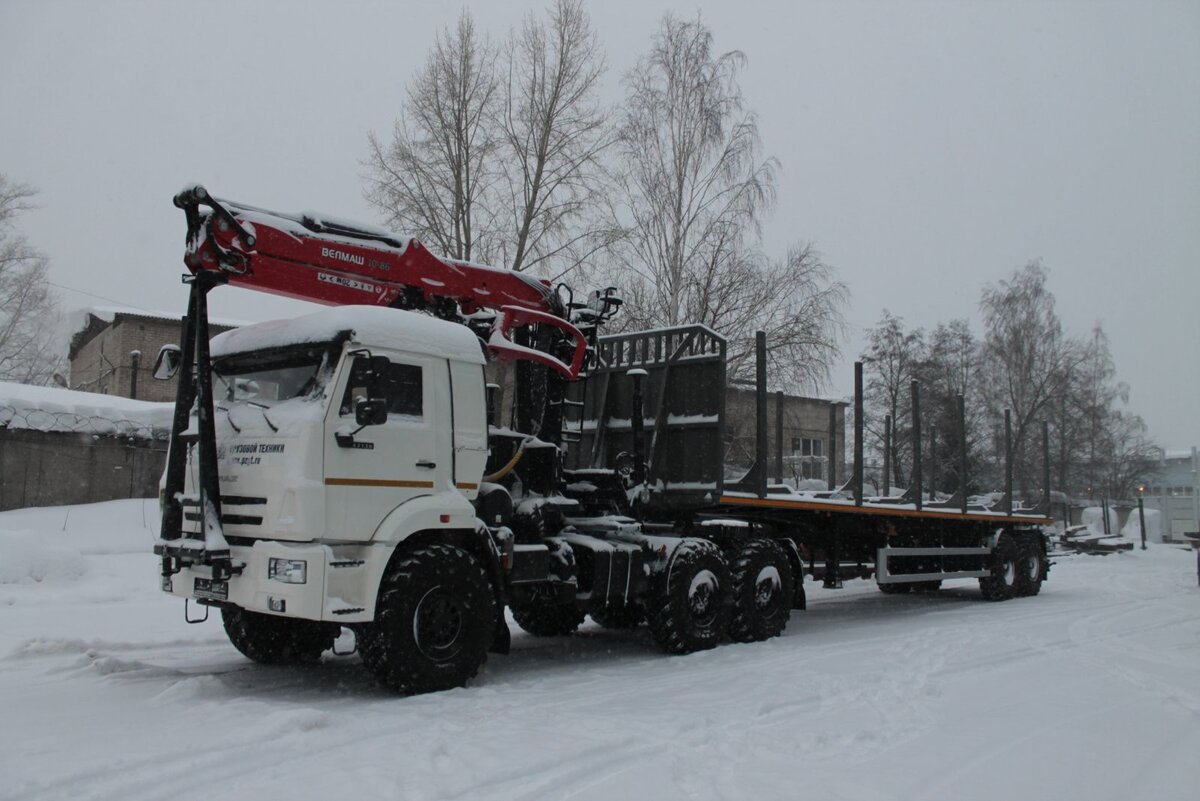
(333, 262)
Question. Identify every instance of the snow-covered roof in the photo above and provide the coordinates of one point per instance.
(67, 410)
(371, 325)
(80, 320)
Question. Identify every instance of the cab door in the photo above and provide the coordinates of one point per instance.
(371, 470)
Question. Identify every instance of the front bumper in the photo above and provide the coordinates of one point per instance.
(340, 585)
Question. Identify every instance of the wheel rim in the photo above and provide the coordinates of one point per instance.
(1033, 566)
(703, 596)
(767, 586)
(1010, 571)
(438, 624)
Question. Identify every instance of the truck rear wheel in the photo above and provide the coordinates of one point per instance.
(433, 622)
(542, 614)
(762, 592)
(690, 606)
(1001, 584)
(1031, 566)
(271, 640)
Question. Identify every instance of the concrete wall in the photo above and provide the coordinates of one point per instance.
(39, 468)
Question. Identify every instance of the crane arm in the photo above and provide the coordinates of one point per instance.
(334, 262)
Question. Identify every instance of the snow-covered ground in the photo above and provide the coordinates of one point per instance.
(1091, 690)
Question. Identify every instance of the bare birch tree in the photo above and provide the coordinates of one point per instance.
(28, 308)
(496, 158)
(692, 193)
(431, 181)
(554, 130)
(891, 362)
(1027, 359)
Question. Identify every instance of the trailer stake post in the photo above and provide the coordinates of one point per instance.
(779, 436)
(887, 456)
(760, 433)
(962, 451)
(638, 477)
(1046, 463)
(1008, 463)
(832, 446)
(858, 433)
(916, 442)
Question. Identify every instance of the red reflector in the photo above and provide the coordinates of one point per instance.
(444, 518)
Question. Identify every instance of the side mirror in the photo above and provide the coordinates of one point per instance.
(378, 376)
(166, 365)
(371, 412)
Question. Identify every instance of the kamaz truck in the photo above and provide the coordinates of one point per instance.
(354, 469)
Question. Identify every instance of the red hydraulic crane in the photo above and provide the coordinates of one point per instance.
(324, 260)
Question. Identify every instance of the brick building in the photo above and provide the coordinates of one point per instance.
(114, 352)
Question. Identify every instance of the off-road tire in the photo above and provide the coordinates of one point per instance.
(1031, 566)
(1001, 584)
(619, 615)
(762, 591)
(272, 640)
(544, 615)
(689, 609)
(433, 623)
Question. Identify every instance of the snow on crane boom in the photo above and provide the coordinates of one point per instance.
(329, 261)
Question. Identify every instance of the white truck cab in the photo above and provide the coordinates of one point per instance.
(314, 502)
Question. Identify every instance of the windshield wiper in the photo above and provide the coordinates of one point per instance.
(229, 417)
(264, 408)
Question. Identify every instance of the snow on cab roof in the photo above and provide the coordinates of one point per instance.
(371, 325)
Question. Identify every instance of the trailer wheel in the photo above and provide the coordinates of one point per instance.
(762, 592)
(690, 608)
(619, 615)
(1001, 584)
(543, 615)
(433, 624)
(271, 640)
(1031, 566)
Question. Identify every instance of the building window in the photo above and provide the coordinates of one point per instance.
(809, 456)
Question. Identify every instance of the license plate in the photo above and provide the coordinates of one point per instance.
(207, 588)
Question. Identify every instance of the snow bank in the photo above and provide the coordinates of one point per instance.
(1133, 526)
(27, 558)
(1093, 518)
(53, 409)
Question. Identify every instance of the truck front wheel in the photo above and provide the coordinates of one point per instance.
(271, 640)
(433, 622)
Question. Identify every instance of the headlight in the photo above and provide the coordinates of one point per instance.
(289, 571)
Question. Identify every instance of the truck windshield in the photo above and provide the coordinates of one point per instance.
(267, 377)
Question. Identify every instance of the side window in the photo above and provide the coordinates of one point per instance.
(404, 392)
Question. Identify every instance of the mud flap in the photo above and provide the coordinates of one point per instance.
(501, 637)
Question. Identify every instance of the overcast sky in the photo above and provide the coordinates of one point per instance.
(928, 148)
